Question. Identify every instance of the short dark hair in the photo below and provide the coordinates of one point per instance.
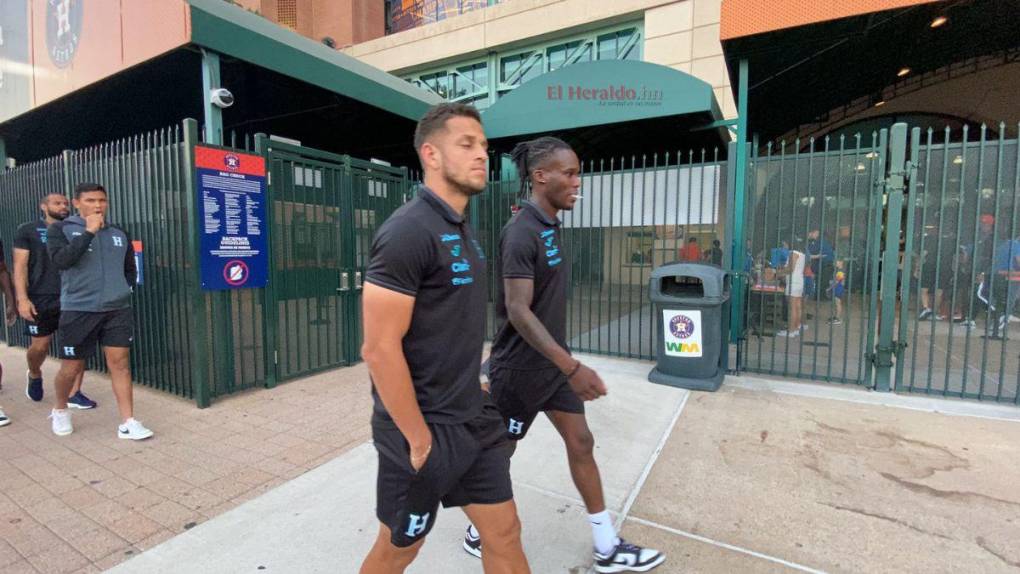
(87, 187)
(692, 240)
(530, 155)
(435, 119)
(716, 243)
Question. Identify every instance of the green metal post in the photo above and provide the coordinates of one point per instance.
(3, 155)
(200, 321)
(270, 305)
(913, 197)
(65, 159)
(890, 258)
(493, 76)
(211, 81)
(740, 197)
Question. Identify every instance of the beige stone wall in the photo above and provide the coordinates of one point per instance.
(683, 34)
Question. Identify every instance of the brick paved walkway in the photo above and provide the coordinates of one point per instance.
(89, 501)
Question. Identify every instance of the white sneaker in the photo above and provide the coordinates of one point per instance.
(628, 557)
(61, 422)
(789, 334)
(133, 430)
(4, 421)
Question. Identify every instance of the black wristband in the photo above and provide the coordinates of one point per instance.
(577, 367)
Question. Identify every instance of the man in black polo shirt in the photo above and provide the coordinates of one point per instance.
(531, 369)
(10, 315)
(438, 435)
(37, 284)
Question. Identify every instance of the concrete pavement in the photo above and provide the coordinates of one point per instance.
(762, 476)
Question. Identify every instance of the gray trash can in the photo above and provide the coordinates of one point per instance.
(692, 325)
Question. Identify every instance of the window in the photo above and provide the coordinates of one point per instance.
(569, 53)
(622, 45)
(471, 81)
(286, 12)
(518, 69)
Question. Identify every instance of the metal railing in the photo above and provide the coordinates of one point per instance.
(147, 182)
(636, 213)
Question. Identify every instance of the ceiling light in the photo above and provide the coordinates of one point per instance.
(939, 21)
(879, 103)
(902, 72)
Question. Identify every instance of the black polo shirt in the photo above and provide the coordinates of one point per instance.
(530, 248)
(43, 277)
(427, 250)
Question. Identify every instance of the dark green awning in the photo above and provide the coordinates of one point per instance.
(227, 29)
(599, 93)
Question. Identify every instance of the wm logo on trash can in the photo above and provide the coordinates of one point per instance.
(681, 332)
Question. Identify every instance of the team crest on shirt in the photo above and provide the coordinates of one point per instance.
(552, 250)
(460, 267)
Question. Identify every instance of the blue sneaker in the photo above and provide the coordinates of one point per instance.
(34, 389)
(80, 401)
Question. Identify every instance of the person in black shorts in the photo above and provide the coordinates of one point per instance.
(37, 284)
(531, 369)
(10, 315)
(97, 271)
(438, 435)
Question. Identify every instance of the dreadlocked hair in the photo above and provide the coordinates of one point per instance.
(530, 155)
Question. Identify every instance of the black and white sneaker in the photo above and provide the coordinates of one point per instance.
(133, 430)
(472, 544)
(627, 557)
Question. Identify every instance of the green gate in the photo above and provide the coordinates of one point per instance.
(832, 189)
(925, 229)
(325, 210)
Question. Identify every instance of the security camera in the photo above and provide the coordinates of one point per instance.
(221, 97)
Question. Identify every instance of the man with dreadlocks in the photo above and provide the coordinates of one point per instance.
(531, 369)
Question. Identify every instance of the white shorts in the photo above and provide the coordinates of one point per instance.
(795, 287)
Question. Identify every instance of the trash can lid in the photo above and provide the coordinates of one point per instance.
(712, 278)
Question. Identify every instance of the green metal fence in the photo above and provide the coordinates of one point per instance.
(144, 176)
(920, 225)
(795, 190)
(956, 331)
(636, 213)
(324, 210)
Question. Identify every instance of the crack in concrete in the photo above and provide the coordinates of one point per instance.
(961, 495)
(824, 426)
(945, 450)
(984, 546)
(888, 519)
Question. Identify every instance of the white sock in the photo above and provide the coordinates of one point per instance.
(603, 532)
(472, 531)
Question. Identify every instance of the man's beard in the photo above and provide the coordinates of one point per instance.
(56, 215)
(466, 187)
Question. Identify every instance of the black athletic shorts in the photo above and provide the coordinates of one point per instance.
(469, 464)
(521, 395)
(80, 331)
(47, 317)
